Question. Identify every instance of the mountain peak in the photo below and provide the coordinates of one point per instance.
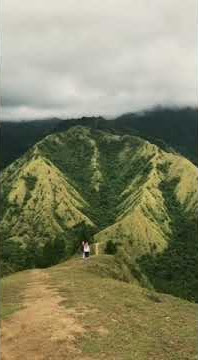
(87, 183)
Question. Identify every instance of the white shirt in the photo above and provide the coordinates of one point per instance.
(86, 248)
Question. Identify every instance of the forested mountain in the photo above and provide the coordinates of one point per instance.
(178, 128)
(175, 128)
(18, 136)
(135, 200)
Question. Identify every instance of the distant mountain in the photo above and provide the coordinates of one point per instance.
(126, 194)
(178, 128)
(19, 136)
(167, 128)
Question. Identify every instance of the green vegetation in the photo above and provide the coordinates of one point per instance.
(175, 270)
(168, 128)
(177, 128)
(92, 159)
(53, 252)
(120, 191)
(18, 137)
(123, 321)
(111, 247)
(119, 320)
(15, 256)
(12, 293)
(138, 203)
(30, 181)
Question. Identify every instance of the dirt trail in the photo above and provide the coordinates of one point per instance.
(43, 330)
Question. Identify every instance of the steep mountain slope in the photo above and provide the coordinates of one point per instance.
(19, 136)
(84, 182)
(176, 128)
(41, 195)
(119, 176)
(142, 209)
(39, 208)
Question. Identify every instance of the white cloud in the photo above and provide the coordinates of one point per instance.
(70, 57)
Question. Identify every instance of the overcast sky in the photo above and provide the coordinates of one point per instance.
(83, 57)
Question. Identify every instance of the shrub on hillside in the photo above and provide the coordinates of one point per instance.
(111, 247)
(30, 181)
(175, 270)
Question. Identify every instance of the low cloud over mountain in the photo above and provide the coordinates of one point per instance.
(67, 58)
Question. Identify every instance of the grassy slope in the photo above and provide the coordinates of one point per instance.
(12, 293)
(176, 127)
(120, 321)
(143, 212)
(98, 178)
(51, 206)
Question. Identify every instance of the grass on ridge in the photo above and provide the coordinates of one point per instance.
(124, 321)
(12, 292)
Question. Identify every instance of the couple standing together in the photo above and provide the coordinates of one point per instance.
(86, 249)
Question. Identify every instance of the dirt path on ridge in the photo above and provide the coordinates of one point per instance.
(43, 330)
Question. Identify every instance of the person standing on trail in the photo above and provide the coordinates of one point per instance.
(86, 249)
(83, 244)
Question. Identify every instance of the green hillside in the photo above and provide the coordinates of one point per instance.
(76, 310)
(127, 195)
(166, 127)
(19, 136)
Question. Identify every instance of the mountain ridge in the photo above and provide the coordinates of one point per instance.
(93, 317)
(168, 128)
(116, 190)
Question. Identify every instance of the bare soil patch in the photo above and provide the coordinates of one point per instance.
(43, 330)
